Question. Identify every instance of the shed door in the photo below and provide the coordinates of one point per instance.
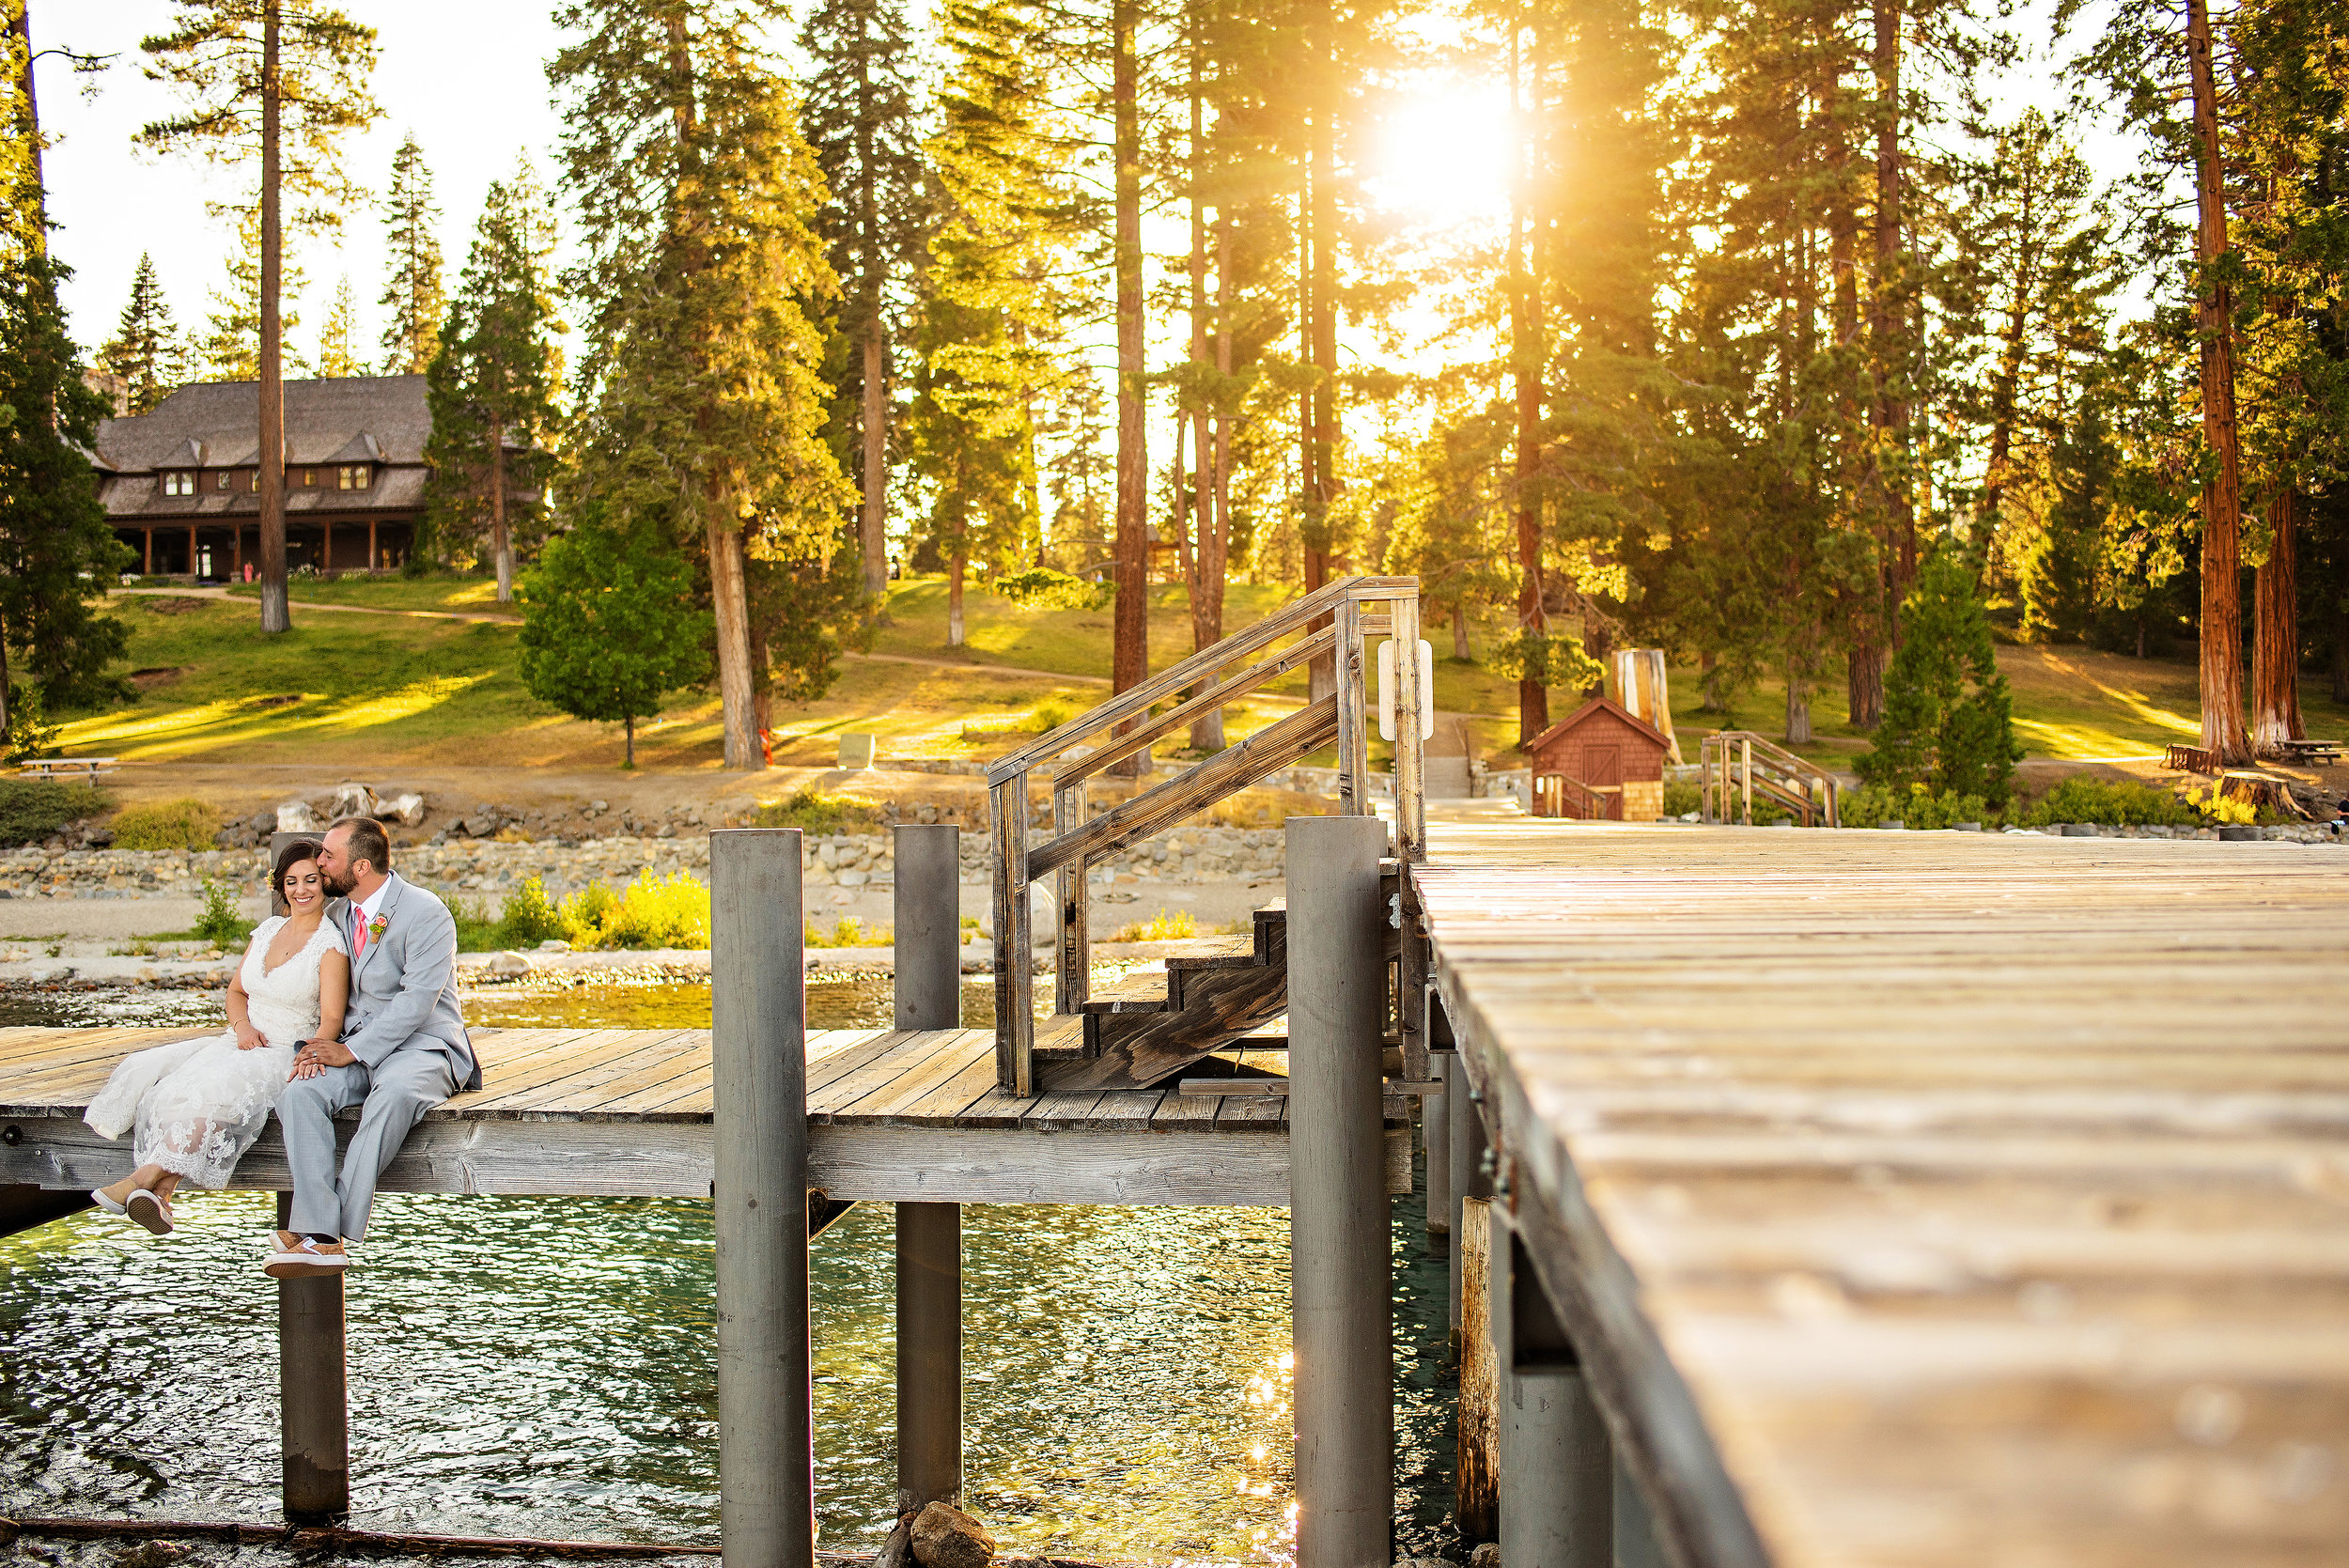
(1602, 765)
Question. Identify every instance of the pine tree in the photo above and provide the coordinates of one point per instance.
(493, 380)
(414, 300)
(700, 390)
(987, 320)
(274, 84)
(230, 348)
(146, 351)
(1947, 719)
(337, 353)
(860, 117)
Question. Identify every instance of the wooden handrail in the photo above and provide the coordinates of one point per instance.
(1801, 786)
(1137, 701)
(1129, 726)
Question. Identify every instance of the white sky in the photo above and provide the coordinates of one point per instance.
(468, 76)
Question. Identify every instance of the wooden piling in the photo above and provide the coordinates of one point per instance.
(1557, 1463)
(929, 1235)
(1435, 1129)
(1476, 1479)
(758, 1046)
(1635, 1529)
(1340, 1269)
(314, 1408)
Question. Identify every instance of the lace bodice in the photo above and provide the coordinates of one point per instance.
(283, 1002)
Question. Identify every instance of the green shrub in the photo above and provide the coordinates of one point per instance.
(2222, 811)
(32, 809)
(183, 824)
(1916, 807)
(1681, 798)
(815, 812)
(1042, 588)
(1051, 714)
(220, 923)
(2114, 803)
(1948, 717)
(849, 931)
(654, 912)
(529, 917)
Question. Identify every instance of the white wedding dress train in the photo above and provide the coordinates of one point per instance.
(198, 1105)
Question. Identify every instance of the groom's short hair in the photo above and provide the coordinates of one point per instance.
(366, 842)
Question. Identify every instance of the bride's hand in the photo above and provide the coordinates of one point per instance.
(249, 1038)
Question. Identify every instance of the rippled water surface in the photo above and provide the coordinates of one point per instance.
(544, 1366)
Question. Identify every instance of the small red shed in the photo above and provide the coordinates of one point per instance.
(1609, 753)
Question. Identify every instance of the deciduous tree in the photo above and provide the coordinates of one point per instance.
(605, 631)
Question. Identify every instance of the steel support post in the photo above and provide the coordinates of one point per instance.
(1635, 1532)
(313, 1408)
(929, 1235)
(758, 1046)
(1557, 1462)
(1435, 1128)
(1341, 1291)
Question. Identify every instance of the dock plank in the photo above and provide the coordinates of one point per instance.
(1930, 1199)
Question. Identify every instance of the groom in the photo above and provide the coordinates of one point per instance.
(403, 1049)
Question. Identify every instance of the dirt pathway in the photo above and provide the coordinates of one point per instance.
(306, 604)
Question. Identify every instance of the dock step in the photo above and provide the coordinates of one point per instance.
(1159, 1021)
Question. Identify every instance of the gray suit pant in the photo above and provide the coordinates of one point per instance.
(392, 1096)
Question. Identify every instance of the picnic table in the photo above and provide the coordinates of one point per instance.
(2312, 750)
(70, 768)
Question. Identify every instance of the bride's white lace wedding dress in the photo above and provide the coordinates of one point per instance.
(198, 1105)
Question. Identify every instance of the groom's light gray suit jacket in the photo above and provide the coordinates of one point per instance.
(403, 987)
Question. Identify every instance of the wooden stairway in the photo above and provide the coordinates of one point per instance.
(1157, 1022)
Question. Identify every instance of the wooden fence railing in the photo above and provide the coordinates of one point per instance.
(1564, 795)
(1737, 765)
(1358, 608)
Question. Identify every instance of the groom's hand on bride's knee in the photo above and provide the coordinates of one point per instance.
(316, 1056)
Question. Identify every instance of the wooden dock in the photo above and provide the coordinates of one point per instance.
(894, 1116)
(1928, 1199)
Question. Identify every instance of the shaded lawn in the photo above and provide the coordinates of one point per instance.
(474, 593)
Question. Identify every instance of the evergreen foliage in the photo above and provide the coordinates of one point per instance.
(414, 298)
(605, 634)
(862, 119)
(1947, 721)
(337, 353)
(231, 345)
(146, 351)
(56, 552)
(493, 380)
(700, 394)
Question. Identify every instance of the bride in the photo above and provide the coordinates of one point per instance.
(198, 1105)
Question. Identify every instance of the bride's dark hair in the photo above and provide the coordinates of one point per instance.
(292, 855)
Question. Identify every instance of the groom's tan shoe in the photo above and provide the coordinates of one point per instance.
(299, 1258)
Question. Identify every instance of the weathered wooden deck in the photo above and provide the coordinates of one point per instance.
(910, 1116)
(1930, 1199)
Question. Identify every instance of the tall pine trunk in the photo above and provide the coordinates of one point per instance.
(1215, 537)
(1129, 646)
(1525, 366)
(275, 615)
(2221, 628)
(873, 527)
(501, 542)
(2275, 633)
(958, 568)
(1205, 575)
(729, 602)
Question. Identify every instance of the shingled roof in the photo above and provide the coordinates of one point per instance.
(217, 425)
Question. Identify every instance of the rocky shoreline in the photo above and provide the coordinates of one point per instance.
(487, 867)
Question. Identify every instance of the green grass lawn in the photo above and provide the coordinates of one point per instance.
(474, 594)
(372, 691)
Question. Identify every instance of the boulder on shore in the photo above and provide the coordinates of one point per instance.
(946, 1537)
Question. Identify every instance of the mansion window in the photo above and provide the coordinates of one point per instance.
(179, 481)
(353, 477)
(223, 478)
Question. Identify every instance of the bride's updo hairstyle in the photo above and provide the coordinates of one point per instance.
(292, 855)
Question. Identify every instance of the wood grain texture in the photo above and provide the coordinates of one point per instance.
(901, 1116)
(1930, 1199)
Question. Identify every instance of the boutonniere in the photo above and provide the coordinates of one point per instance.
(376, 928)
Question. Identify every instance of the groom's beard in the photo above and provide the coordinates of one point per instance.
(341, 887)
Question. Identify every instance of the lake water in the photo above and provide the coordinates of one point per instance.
(544, 1367)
